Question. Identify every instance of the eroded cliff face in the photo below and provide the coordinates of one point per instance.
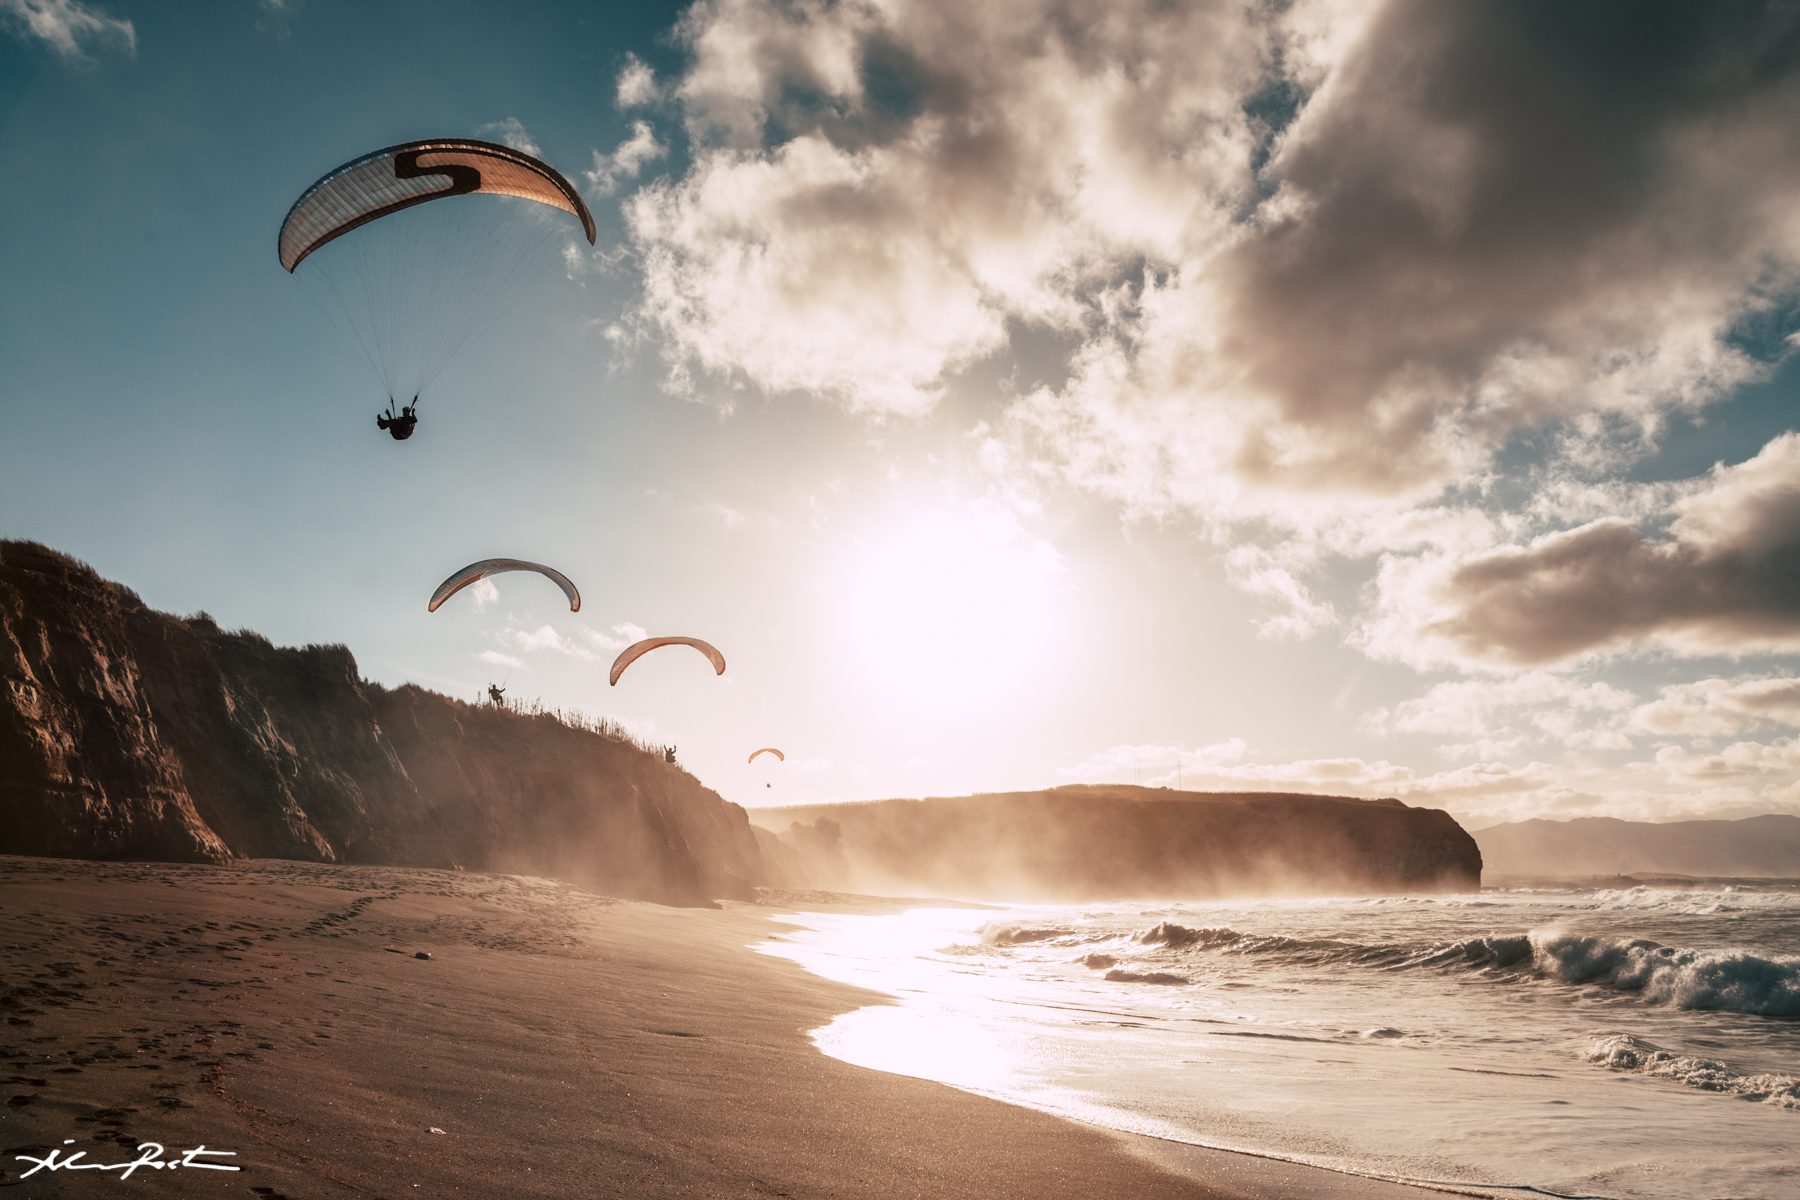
(1094, 843)
(128, 733)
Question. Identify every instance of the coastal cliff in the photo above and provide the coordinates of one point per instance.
(1091, 843)
(129, 733)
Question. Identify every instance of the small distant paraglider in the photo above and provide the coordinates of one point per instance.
(755, 754)
(637, 650)
(497, 566)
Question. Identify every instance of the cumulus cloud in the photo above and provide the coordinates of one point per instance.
(545, 637)
(510, 131)
(610, 170)
(875, 193)
(1290, 259)
(614, 639)
(1722, 577)
(482, 594)
(68, 26)
(1256, 571)
(495, 658)
(636, 85)
(1496, 716)
(1716, 707)
(1740, 759)
(1431, 273)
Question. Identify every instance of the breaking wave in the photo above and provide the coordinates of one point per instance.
(1710, 980)
(1716, 980)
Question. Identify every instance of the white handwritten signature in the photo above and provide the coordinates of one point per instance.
(150, 1154)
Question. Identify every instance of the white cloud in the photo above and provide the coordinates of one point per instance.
(610, 170)
(889, 234)
(1497, 714)
(615, 639)
(637, 84)
(1716, 707)
(1256, 570)
(544, 637)
(1317, 312)
(510, 131)
(494, 658)
(1720, 579)
(483, 594)
(1739, 759)
(69, 27)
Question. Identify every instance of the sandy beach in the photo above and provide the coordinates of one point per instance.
(555, 1043)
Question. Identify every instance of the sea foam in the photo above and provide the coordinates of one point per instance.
(1626, 1052)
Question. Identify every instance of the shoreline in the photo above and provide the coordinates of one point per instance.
(556, 1041)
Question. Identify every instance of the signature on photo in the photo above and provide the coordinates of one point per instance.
(150, 1154)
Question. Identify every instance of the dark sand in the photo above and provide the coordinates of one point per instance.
(564, 1045)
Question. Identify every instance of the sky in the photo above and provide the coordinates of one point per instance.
(1381, 399)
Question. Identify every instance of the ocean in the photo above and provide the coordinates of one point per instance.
(1628, 1043)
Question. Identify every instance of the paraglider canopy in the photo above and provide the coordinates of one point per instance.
(371, 187)
(637, 650)
(496, 566)
(766, 750)
(410, 283)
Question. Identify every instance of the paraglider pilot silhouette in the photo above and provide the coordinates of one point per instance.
(401, 427)
(496, 693)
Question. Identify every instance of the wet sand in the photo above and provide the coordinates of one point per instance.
(555, 1044)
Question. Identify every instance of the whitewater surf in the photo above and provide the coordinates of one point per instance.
(1515, 1042)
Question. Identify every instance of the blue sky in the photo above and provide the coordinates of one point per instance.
(1013, 401)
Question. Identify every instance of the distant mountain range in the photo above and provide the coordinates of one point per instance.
(1753, 846)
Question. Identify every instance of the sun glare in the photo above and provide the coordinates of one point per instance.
(949, 611)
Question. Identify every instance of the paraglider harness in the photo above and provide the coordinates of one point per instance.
(496, 693)
(401, 427)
